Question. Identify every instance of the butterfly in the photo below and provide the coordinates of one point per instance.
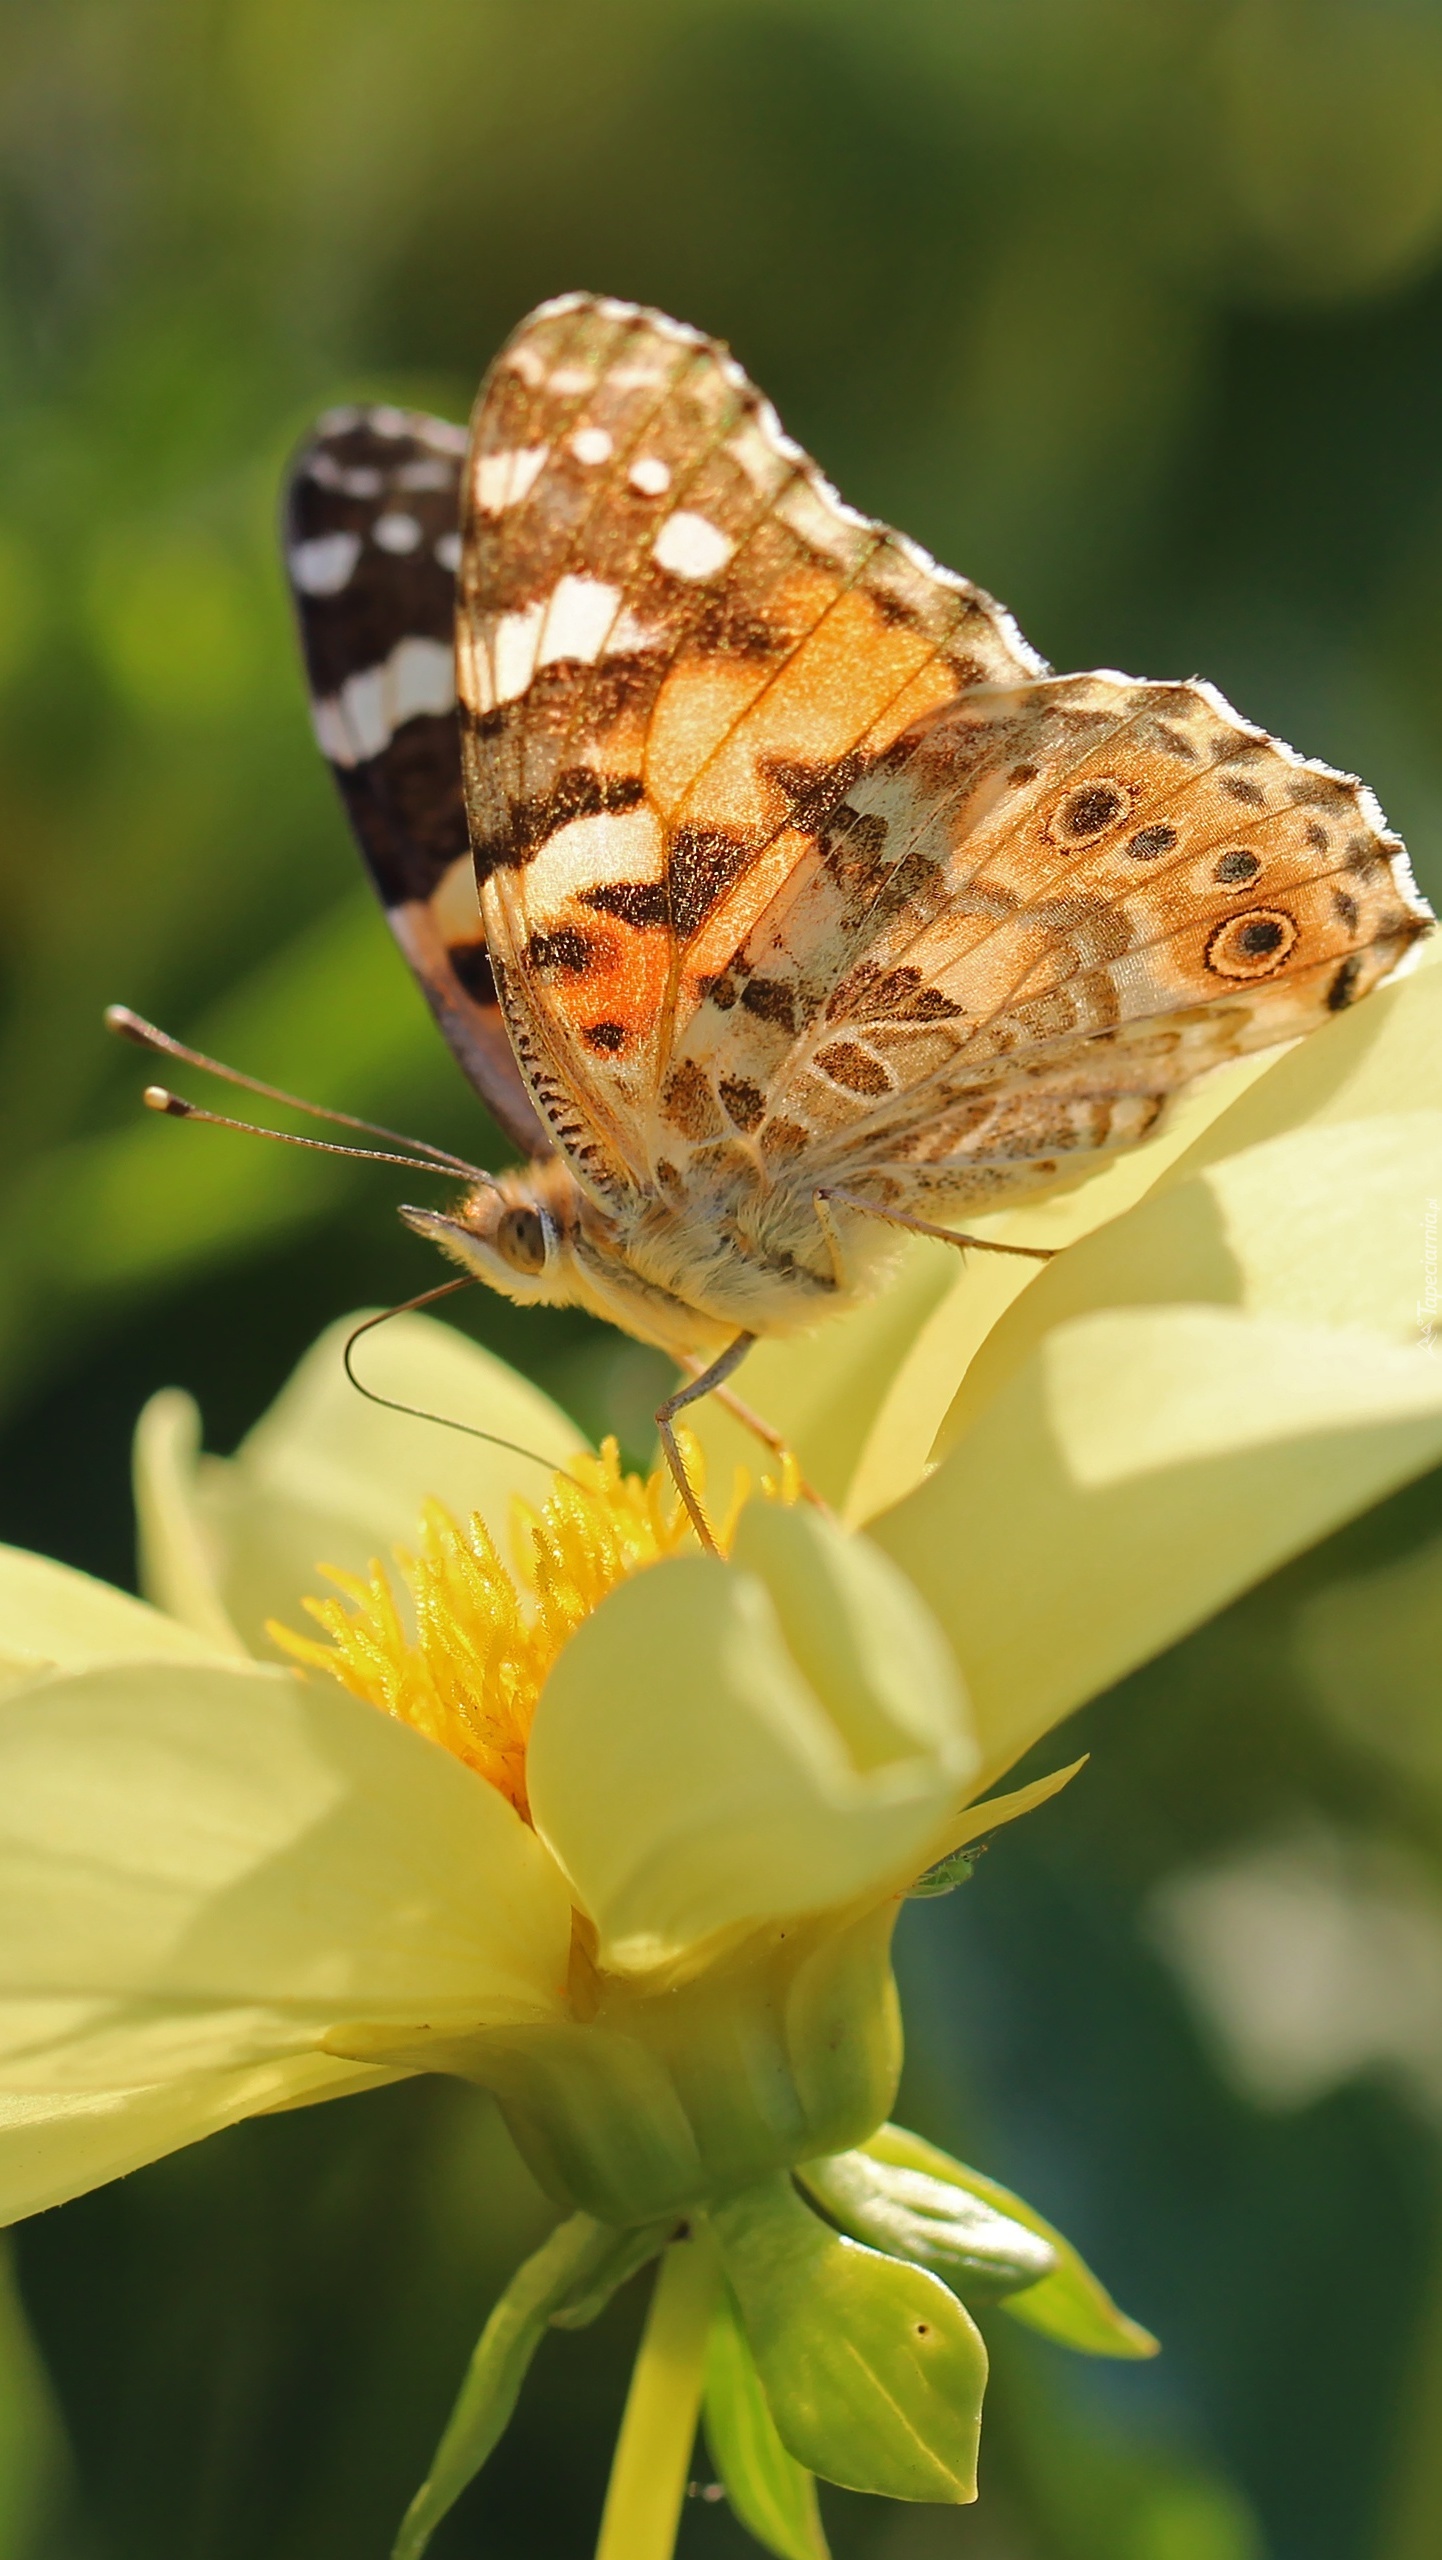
(770, 889)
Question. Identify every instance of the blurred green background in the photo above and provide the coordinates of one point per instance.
(1133, 310)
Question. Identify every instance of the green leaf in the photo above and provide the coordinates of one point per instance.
(1071, 2304)
(768, 2490)
(873, 2371)
(568, 2280)
(981, 2253)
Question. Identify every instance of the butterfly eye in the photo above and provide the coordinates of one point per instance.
(1089, 811)
(1252, 946)
(520, 1239)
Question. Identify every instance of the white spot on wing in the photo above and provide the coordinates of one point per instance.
(361, 482)
(568, 378)
(504, 479)
(761, 455)
(690, 546)
(425, 475)
(448, 551)
(322, 567)
(356, 723)
(576, 621)
(628, 634)
(396, 533)
(650, 477)
(625, 845)
(813, 510)
(526, 362)
(513, 656)
(579, 620)
(592, 444)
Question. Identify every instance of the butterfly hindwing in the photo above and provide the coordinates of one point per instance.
(372, 545)
(1062, 902)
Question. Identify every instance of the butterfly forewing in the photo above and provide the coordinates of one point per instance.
(372, 544)
(678, 647)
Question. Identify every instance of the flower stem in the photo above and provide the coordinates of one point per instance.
(653, 2450)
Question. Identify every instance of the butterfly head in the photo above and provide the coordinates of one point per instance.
(515, 1230)
(537, 1237)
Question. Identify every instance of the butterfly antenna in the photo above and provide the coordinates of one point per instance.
(146, 1035)
(158, 1097)
(418, 1413)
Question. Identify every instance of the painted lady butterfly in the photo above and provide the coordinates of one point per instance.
(767, 886)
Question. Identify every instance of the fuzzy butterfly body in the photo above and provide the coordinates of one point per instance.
(760, 874)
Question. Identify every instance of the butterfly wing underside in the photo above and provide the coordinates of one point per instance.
(372, 546)
(797, 867)
(677, 647)
(1064, 903)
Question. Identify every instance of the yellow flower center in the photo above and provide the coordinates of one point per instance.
(485, 1636)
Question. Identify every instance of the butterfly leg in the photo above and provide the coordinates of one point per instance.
(715, 1376)
(762, 1430)
(822, 1201)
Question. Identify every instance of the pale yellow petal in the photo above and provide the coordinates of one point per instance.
(898, 1451)
(691, 1778)
(180, 1560)
(861, 1399)
(52, 1618)
(852, 1626)
(992, 1813)
(1141, 1468)
(1320, 1225)
(328, 1476)
(53, 2147)
(1383, 1059)
(203, 1868)
(823, 1391)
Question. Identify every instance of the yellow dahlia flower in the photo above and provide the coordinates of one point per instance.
(621, 1831)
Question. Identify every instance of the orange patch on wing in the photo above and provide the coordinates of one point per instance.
(931, 686)
(842, 682)
(621, 986)
(855, 679)
(697, 712)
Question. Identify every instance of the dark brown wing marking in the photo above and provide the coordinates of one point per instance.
(372, 544)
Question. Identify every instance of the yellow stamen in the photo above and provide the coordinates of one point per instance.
(485, 1635)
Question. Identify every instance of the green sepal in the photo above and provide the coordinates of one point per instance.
(626, 2252)
(767, 2489)
(567, 2281)
(872, 2369)
(982, 2254)
(947, 1873)
(1071, 2304)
